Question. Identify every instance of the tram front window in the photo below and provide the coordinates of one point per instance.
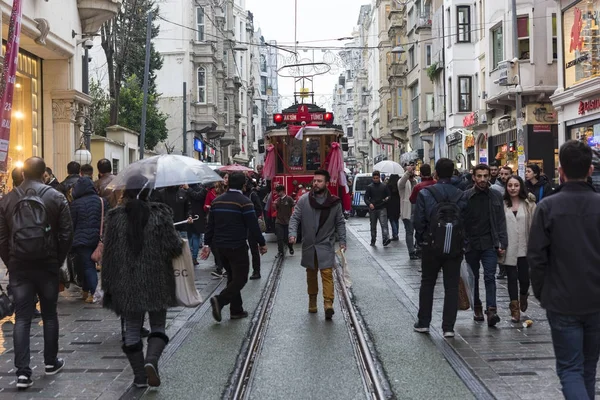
(295, 160)
(313, 154)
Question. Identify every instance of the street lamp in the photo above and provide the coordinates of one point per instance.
(398, 49)
(82, 154)
(458, 162)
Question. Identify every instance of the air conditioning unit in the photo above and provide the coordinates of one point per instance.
(484, 119)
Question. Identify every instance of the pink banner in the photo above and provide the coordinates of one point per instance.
(9, 76)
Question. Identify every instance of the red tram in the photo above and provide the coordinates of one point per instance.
(303, 140)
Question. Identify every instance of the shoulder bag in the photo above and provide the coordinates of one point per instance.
(97, 254)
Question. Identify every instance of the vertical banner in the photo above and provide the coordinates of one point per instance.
(9, 76)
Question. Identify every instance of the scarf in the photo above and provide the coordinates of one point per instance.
(330, 201)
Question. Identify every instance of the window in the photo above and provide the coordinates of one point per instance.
(399, 102)
(263, 63)
(241, 31)
(481, 19)
(429, 106)
(263, 85)
(464, 93)
(201, 85)
(225, 63)
(554, 41)
(388, 106)
(350, 131)
(414, 95)
(349, 95)
(428, 60)
(463, 24)
(388, 59)
(450, 98)
(226, 110)
(523, 35)
(200, 24)
(313, 154)
(242, 110)
(497, 46)
(448, 27)
(243, 70)
(411, 57)
(115, 166)
(363, 129)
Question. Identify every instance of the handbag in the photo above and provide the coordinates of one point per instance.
(185, 281)
(7, 308)
(64, 274)
(262, 225)
(97, 254)
(463, 297)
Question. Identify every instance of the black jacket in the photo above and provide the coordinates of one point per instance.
(563, 251)
(197, 195)
(59, 217)
(426, 204)
(376, 195)
(86, 213)
(258, 207)
(68, 183)
(498, 219)
(180, 203)
(536, 189)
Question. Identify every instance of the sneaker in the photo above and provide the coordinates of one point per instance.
(291, 251)
(23, 382)
(144, 332)
(449, 334)
(243, 314)
(216, 309)
(37, 313)
(386, 242)
(420, 329)
(219, 273)
(90, 299)
(196, 263)
(395, 239)
(413, 256)
(255, 275)
(55, 369)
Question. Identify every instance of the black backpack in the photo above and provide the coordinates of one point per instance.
(446, 233)
(31, 238)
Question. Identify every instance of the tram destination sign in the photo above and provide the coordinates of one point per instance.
(312, 117)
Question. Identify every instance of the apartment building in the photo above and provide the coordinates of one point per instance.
(366, 101)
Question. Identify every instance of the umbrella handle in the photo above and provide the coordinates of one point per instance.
(194, 218)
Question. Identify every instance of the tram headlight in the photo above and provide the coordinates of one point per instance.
(278, 119)
(328, 117)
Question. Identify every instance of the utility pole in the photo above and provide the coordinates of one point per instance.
(520, 133)
(146, 77)
(185, 152)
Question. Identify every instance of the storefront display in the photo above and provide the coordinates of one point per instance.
(588, 132)
(454, 142)
(581, 27)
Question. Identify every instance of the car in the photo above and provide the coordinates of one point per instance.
(359, 187)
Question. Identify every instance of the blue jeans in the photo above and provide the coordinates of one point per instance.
(195, 241)
(183, 234)
(489, 259)
(395, 224)
(83, 258)
(576, 340)
(381, 216)
(409, 231)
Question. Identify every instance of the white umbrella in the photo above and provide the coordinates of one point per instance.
(347, 171)
(165, 170)
(389, 168)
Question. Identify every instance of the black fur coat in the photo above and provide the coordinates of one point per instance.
(144, 282)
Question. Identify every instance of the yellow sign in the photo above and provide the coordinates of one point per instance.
(304, 92)
(581, 34)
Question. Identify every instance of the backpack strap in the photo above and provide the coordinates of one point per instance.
(456, 198)
(435, 193)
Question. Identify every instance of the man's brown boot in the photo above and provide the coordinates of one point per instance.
(492, 317)
(524, 302)
(478, 313)
(312, 303)
(328, 309)
(515, 314)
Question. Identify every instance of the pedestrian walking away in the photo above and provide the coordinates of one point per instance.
(393, 206)
(321, 215)
(519, 208)
(252, 243)
(35, 237)
(197, 194)
(405, 188)
(564, 261)
(434, 203)
(105, 177)
(231, 218)
(485, 228)
(66, 186)
(285, 206)
(218, 189)
(140, 244)
(376, 196)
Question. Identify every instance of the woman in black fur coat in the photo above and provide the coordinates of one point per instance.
(140, 243)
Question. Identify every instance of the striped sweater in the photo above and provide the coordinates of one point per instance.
(230, 220)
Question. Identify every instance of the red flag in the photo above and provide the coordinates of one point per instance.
(9, 76)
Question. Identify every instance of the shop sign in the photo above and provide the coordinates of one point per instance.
(471, 119)
(580, 32)
(471, 151)
(469, 141)
(506, 124)
(542, 128)
(454, 137)
(540, 113)
(589, 105)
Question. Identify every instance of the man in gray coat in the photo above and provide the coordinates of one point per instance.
(321, 216)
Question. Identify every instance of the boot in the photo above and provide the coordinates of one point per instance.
(328, 305)
(515, 314)
(135, 355)
(312, 303)
(156, 344)
(492, 317)
(478, 313)
(328, 291)
(524, 302)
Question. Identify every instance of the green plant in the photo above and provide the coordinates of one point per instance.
(433, 71)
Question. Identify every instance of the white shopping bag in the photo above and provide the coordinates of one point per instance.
(468, 278)
(346, 274)
(185, 282)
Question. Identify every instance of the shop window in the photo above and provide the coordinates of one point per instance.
(497, 46)
(464, 93)
(523, 35)
(201, 85)
(200, 24)
(463, 24)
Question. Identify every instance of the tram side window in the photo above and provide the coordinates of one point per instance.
(295, 160)
(313, 154)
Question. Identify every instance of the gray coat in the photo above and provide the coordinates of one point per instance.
(323, 243)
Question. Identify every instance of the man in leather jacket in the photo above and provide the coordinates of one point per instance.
(40, 276)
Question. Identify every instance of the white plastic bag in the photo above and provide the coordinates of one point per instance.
(99, 293)
(346, 274)
(468, 278)
(185, 282)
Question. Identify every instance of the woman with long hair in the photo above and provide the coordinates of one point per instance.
(137, 274)
(519, 206)
(393, 205)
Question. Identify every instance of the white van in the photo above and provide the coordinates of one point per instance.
(361, 181)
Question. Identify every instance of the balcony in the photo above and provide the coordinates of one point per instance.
(414, 127)
(397, 68)
(94, 13)
(397, 24)
(399, 127)
(431, 126)
(423, 22)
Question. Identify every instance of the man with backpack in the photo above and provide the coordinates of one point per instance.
(439, 231)
(485, 228)
(66, 186)
(35, 237)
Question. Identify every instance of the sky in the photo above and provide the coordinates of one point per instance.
(317, 20)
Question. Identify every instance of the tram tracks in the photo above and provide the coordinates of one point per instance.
(375, 383)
